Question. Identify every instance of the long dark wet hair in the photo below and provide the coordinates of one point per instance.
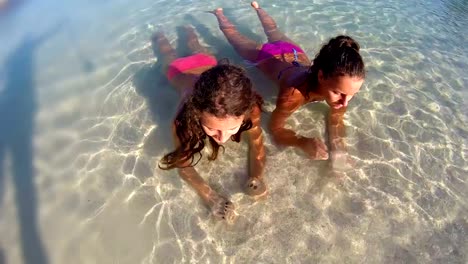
(339, 57)
(223, 90)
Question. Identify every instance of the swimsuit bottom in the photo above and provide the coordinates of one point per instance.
(273, 49)
(182, 65)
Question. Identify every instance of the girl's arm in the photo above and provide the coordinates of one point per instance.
(336, 129)
(255, 185)
(288, 101)
(220, 206)
(336, 136)
(256, 147)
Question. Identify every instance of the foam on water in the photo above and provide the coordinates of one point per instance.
(103, 123)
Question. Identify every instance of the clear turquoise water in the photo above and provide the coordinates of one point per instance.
(84, 120)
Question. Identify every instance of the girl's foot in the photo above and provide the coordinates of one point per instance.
(217, 11)
(255, 5)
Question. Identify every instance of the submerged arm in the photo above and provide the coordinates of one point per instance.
(256, 147)
(336, 129)
(191, 176)
(220, 206)
(255, 185)
(289, 101)
(336, 134)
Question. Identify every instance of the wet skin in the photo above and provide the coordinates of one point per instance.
(219, 128)
(293, 88)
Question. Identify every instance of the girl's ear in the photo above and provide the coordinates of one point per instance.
(320, 76)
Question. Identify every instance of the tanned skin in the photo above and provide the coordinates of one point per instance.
(220, 206)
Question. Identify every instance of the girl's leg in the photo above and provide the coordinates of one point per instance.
(244, 46)
(162, 47)
(269, 25)
(193, 43)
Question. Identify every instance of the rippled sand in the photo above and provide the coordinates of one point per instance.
(104, 111)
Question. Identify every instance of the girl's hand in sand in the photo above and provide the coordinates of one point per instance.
(255, 187)
(314, 148)
(221, 207)
(340, 161)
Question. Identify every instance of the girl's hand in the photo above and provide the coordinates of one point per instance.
(255, 187)
(340, 161)
(314, 148)
(221, 208)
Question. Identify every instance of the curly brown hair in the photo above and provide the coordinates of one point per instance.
(223, 90)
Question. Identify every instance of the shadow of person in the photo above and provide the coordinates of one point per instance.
(87, 66)
(162, 100)
(17, 110)
(220, 48)
(2, 257)
(9, 5)
(182, 41)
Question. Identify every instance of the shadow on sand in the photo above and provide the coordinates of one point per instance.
(162, 99)
(17, 112)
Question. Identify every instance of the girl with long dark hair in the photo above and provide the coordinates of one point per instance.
(335, 76)
(217, 104)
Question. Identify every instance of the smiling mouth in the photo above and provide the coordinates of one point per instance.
(337, 105)
(218, 141)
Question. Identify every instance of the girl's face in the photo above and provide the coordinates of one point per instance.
(221, 129)
(339, 90)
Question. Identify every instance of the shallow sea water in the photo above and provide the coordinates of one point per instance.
(85, 114)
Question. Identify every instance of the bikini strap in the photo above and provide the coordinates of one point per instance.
(295, 63)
